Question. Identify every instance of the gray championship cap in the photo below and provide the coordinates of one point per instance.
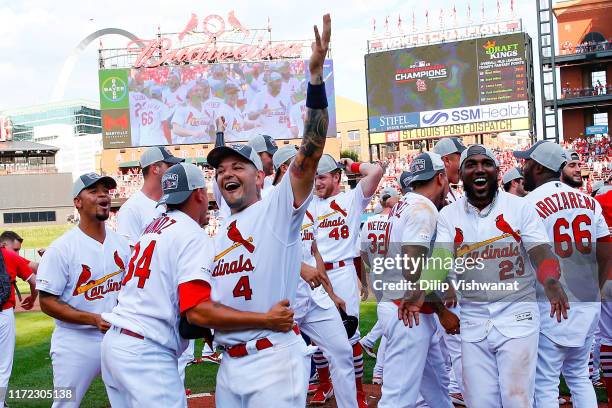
(283, 154)
(156, 154)
(404, 180)
(216, 155)
(548, 154)
(512, 174)
(571, 155)
(263, 143)
(425, 166)
(449, 145)
(475, 150)
(598, 185)
(387, 193)
(378, 209)
(179, 181)
(327, 164)
(88, 180)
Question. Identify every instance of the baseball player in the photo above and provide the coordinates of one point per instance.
(412, 225)
(257, 259)
(487, 238)
(174, 94)
(153, 120)
(271, 109)
(79, 277)
(337, 229)
(605, 331)
(574, 222)
(195, 122)
(265, 147)
(235, 119)
(297, 113)
(137, 101)
(315, 299)
(403, 180)
(14, 266)
(513, 182)
(12, 241)
(141, 208)
(373, 242)
(450, 149)
(571, 173)
(164, 281)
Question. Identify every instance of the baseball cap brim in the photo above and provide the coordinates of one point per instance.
(423, 176)
(174, 198)
(216, 156)
(173, 160)
(106, 180)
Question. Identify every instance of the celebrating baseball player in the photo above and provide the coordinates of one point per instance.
(141, 208)
(574, 222)
(488, 237)
(79, 278)
(337, 226)
(513, 182)
(257, 259)
(315, 299)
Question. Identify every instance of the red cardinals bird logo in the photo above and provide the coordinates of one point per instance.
(334, 206)
(191, 25)
(503, 226)
(309, 215)
(234, 234)
(458, 238)
(119, 261)
(236, 25)
(84, 277)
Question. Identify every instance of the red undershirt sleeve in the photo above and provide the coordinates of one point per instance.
(193, 293)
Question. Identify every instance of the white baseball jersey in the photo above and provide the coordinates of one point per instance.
(152, 114)
(574, 222)
(499, 287)
(176, 98)
(297, 116)
(307, 233)
(373, 236)
(135, 214)
(338, 224)
(276, 121)
(234, 122)
(137, 102)
(190, 118)
(257, 259)
(453, 195)
(290, 87)
(412, 221)
(83, 272)
(172, 251)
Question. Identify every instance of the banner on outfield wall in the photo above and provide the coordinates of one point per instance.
(464, 129)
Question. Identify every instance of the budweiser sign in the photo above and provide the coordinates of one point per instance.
(160, 51)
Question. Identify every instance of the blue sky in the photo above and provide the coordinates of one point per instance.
(36, 36)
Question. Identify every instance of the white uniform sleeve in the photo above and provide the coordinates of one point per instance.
(164, 112)
(128, 225)
(52, 276)
(360, 201)
(421, 226)
(285, 219)
(532, 230)
(601, 227)
(194, 258)
(180, 116)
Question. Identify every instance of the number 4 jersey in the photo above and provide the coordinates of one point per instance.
(172, 250)
(574, 222)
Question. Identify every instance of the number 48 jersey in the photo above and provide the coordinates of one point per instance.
(573, 223)
(172, 250)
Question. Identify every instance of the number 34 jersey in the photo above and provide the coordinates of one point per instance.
(573, 223)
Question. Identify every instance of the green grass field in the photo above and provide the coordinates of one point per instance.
(32, 364)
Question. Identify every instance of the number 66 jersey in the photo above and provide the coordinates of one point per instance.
(574, 222)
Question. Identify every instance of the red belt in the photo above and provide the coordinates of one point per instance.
(240, 350)
(335, 265)
(131, 333)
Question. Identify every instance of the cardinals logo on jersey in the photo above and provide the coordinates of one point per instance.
(458, 240)
(234, 234)
(503, 226)
(337, 209)
(500, 223)
(95, 289)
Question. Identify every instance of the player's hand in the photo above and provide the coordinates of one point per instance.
(364, 292)
(450, 297)
(449, 321)
(319, 50)
(340, 304)
(102, 324)
(28, 303)
(280, 317)
(559, 305)
(408, 310)
(346, 162)
(311, 276)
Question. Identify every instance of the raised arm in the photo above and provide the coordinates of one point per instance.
(304, 166)
(371, 174)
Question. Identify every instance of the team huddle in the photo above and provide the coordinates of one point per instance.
(484, 298)
(182, 107)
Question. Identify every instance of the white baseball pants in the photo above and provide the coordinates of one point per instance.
(573, 363)
(185, 359)
(75, 356)
(499, 371)
(451, 351)
(7, 345)
(345, 284)
(140, 373)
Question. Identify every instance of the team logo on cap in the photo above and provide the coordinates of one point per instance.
(92, 175)
(417, 165)
(170, 181)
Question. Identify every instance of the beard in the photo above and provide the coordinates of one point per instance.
(102, 216)
(571, 182)
(490, 194)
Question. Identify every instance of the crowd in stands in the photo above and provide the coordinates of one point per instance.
(596, 155)
(585, 47)
(597, 89)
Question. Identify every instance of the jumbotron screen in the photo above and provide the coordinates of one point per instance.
(448, 84)
(173, 105)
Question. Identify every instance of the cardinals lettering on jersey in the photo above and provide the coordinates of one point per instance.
(96, 289)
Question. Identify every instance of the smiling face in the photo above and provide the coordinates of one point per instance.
(572, 174)
(326, 184)
(94, 202)
(479, 175)
(239, 182)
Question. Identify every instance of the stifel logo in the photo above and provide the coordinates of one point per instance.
(233, 233)
(500, 223)
(94, 289)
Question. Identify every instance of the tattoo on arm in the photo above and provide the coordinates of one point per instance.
(315, 132)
